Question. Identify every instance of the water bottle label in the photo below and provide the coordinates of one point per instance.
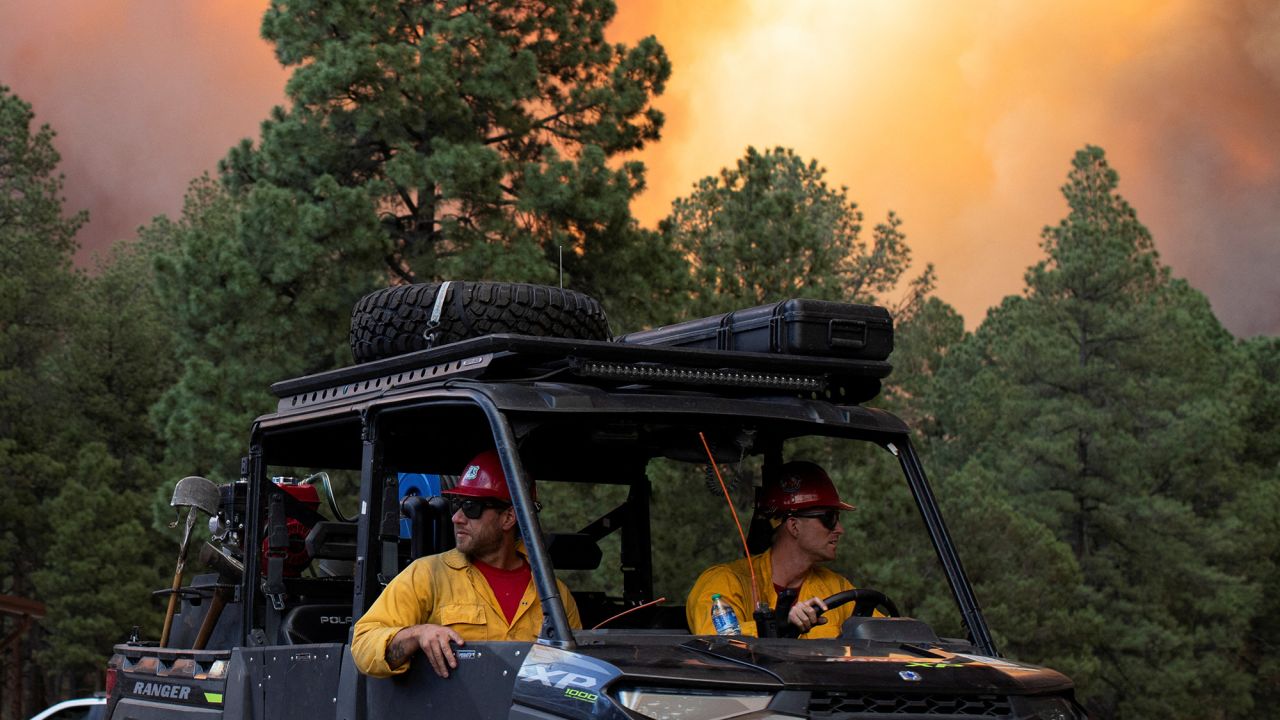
(726, 623)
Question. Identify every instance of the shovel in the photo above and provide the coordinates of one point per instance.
(194, 493)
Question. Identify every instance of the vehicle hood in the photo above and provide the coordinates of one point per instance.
(822, 664)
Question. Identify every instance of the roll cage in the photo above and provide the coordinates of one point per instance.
(534, 399)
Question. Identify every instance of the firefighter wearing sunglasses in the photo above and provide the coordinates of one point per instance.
(803, 508)
(481, 590)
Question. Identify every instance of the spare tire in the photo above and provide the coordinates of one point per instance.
(406, 318)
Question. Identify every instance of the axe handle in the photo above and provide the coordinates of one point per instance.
(177, 578)
(211, 617)
(173, 606)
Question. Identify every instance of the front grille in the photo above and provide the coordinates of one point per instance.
(835, 704)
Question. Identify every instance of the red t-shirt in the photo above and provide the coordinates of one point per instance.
(507, 585)
(786, 599)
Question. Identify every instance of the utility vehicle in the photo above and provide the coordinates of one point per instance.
(604, 427)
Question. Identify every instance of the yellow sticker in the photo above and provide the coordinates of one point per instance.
(213, 697)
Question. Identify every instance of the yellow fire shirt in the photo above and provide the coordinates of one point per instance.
(445, 589)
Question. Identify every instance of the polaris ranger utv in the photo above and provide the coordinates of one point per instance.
(598, 424)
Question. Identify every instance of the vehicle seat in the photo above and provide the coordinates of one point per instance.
(308, 624)
(332, 540)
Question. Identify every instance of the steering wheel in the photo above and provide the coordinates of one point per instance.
(866, 598)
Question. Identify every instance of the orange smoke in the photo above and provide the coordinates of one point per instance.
(962, 117)
(145, 96)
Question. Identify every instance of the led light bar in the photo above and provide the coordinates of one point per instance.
(664, 374)
(373, 386)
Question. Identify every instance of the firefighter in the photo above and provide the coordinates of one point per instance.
(803, 508)
(481, 590)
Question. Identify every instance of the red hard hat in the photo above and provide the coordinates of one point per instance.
(483, 478)
(799, 485)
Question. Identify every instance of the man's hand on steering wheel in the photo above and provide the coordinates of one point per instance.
(807, 613)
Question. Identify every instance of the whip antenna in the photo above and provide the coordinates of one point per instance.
(755, 590)
(628, 612)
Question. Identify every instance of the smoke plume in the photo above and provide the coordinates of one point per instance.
(962, 117)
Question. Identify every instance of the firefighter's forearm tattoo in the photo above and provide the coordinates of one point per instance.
(398, 651)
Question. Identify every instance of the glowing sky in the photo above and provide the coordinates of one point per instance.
(960, 116)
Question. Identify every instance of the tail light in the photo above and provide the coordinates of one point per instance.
(113, 680)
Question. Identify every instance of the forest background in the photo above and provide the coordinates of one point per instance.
(1102, 421)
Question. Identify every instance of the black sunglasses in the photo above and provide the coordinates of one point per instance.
(829, 517)
(474, 508)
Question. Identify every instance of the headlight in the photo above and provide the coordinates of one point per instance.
(1053, 707)
(665, 704)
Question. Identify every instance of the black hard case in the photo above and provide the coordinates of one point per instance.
(792, 327)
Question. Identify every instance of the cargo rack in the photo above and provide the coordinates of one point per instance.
(524, 358)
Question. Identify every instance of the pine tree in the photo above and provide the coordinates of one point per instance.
(771, 228)
(1256, 512)
(1105, 401)
(432, 139)
(103, 553)
(924, 333)
(233, 333)
(117, 361)
(36, 244)
(100, 568)
(423, 141)
(84, 357)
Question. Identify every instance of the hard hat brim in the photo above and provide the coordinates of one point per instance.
(475, 492)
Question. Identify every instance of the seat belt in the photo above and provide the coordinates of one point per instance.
(277, 549)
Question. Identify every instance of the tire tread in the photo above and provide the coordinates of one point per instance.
(396, 320)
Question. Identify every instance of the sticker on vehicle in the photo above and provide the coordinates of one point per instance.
(582, 695)
(162, 690)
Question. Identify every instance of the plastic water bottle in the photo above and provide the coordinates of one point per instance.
(723, 617)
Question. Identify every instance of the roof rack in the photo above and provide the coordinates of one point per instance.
(516, 358)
